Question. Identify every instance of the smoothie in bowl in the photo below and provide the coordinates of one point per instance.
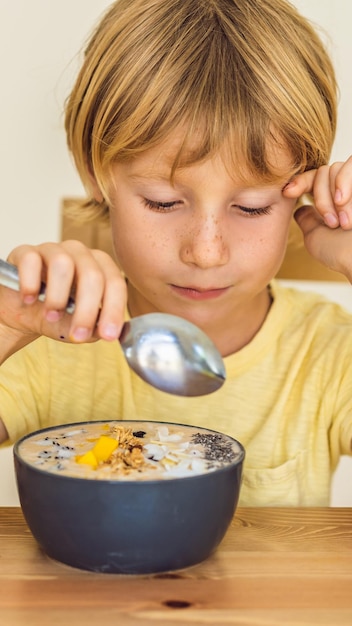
(129, 451)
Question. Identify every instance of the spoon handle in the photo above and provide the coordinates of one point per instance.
(9, 278)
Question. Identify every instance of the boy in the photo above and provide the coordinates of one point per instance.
(195, 126)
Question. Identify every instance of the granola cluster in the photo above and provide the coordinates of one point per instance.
(128, 456)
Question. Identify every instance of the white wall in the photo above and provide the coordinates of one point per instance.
(39, 45)
(39, 42)
(334, 19)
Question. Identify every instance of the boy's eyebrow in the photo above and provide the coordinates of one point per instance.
(147, 176)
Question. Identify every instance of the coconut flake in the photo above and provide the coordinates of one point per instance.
(64, 453)
(163, 433)
(153, 451)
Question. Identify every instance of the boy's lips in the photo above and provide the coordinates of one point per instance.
(199, 293)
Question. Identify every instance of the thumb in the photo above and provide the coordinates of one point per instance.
(304, 200)
(307, 217)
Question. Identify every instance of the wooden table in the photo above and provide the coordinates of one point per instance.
(275, 567)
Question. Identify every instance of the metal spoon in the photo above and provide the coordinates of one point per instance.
(166, 351)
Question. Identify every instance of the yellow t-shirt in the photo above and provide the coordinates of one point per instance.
(287, 397)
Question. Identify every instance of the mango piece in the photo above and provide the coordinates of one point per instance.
(88, 459)
(104, 448)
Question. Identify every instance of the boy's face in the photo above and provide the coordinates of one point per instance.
(204, 247)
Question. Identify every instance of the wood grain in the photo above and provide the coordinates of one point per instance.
(274, 567)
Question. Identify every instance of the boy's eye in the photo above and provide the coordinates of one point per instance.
(251, 211)
(159, 206)
(164, 207)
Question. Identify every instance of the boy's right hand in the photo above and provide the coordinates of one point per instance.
(99, 292)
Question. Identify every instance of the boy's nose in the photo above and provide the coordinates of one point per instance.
(205, 244)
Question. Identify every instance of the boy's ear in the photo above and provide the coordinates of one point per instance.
(97, 194)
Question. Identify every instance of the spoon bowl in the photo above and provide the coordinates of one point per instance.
(172, 354)
(166, 351)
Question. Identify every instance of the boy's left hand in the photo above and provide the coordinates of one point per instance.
(326, 225)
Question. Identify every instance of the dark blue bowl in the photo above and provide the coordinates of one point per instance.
(128, 527)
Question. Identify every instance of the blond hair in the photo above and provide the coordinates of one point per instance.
(225, 71)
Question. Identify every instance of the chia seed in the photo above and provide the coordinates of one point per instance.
(216, 447)
(45, 454)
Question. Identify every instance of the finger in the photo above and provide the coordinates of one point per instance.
(300, 184)
(59, 276)
(315, 182)
(114, 301)
(320, 183)
(323, 191)
(332, 189)
(29, 263)
(343, 181)
(341, 188)
(88, 291)
(307, 218)
(328, 197)
(49, 263)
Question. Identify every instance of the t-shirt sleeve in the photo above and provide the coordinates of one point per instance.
(24, 384)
